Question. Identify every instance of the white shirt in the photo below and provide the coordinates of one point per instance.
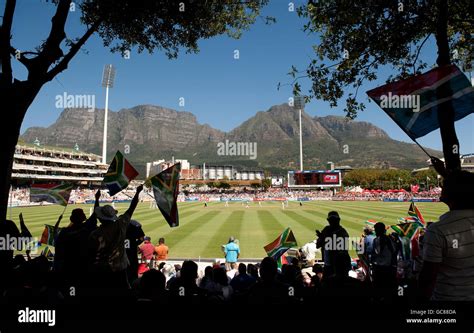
(450, 242)
(231, 273)
(353, 274)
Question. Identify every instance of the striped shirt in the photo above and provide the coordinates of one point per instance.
(450, 242)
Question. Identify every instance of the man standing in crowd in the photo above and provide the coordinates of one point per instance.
(384, 259)
(146, 249)
(242, 282)
(135, 236)
(448, 249)
(161, 250)
(70, 258)
(337, 262)
(232, 253)
(107, 246)
(368, 239)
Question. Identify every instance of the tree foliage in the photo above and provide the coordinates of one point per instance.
(389, 179)
(356, 38)
(123, 25)
(266, 183)
(165, 25)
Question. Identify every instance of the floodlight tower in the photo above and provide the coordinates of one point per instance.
(299, 104)
(108, 77)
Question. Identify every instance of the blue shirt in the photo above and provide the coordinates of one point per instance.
(231, 251)
(369, 244)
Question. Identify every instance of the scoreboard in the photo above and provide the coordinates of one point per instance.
(314, 178)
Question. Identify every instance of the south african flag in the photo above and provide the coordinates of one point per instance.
(165, 189)
(409, 235)
(54, 193)
(285, 241)
(414, 103)
(119, 174)
(49, 235)
(413, 211)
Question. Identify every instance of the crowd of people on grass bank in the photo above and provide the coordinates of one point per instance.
(106, 255)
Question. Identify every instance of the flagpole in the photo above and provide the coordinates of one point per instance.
(11, 203)
(422, 148)
(409, 135)
(126, 195)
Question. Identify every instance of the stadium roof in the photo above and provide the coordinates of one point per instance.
(54, 149)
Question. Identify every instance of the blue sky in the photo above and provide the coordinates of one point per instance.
(218, 89)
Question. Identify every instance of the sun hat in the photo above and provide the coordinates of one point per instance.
(106, 213)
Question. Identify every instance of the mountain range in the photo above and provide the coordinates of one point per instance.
(151, 132)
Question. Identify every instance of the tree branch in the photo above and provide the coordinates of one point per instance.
(63, 64)
(8, 15)
(51, 51)
(5, 31)
(22, 59)
(418, 53)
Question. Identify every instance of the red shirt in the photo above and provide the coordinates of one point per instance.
(147, 249)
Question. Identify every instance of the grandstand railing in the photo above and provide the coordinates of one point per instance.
(56, 177)
(58, 160)
(17, 166)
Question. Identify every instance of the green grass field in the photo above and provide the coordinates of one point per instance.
(203, 230)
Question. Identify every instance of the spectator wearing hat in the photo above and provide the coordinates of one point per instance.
(232, 253)
(107, 246)
(337, 262)
(170, 273)
(448, 249)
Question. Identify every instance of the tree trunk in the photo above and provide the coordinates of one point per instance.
(449, 138)
(17, 98)
(10, 133)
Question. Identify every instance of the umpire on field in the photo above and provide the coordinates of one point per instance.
(232, 253)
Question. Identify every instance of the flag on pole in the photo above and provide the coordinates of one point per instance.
(405, 229)
(414, 103)
(409, 235)
(165, 190)
(119, 174)
(413, 211)
(47, 253)
(49, 236)
(285, 241)
(28, 242)
(54, 193)
(282, 260)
